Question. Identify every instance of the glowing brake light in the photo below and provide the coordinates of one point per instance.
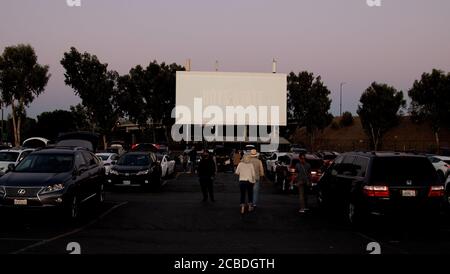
(376, 191)
(436, 191)
(292, 170)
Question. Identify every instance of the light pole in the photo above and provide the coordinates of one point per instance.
(340, 98)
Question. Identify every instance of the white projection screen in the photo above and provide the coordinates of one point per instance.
(230, 89)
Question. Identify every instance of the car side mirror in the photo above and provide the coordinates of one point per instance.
(11, 167)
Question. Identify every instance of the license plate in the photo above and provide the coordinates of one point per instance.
(127, 183)
(20, 202)
(408, 193)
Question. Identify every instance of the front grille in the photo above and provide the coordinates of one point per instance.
(22, 192)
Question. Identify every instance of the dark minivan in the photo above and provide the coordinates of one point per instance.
(359, 184)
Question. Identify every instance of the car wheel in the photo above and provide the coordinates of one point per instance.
(354, 214)
(441, 177)
(73, 208)
(101, 194)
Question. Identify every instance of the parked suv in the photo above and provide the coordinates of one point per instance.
(358, 184)
(58, 177)
(136, 168)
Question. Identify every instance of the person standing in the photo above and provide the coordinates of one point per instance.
(193, 159)
(236, 158)
(303, 170)
(246, 173)
(259, 173)
(185, 160)
(206, 173)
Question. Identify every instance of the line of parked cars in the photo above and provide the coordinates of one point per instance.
(358, 184)
(68, 174)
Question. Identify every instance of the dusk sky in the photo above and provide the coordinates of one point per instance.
(341, 40)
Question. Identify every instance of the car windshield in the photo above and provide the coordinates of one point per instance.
(394, 170)
(134, 160)
(46, 163)
(9, 156)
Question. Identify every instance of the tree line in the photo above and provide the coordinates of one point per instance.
(146, 96)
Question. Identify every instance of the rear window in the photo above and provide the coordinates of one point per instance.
(397, 170)
(315, 164)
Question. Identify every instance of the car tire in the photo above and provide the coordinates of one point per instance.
(354, 214)
(441, 177)
(100, 197)
(72, 210)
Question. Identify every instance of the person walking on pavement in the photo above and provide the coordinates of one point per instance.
(246, 173)
(259, 173)
(206, 173)
(236, 158)
(193, 159)
(303, 170)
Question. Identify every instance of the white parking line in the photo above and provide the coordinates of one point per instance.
(46, 241)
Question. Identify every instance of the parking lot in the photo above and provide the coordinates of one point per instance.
(174, 220)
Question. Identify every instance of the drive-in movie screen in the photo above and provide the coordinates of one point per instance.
(196, 136)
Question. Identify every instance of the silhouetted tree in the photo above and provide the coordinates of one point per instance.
(22, 79)
(379, 111)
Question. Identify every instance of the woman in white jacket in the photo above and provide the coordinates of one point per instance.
(247, 179)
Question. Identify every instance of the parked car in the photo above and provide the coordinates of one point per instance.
(116, 147)
(358, 184)
(84, 139)
(35, 142)
(271, 163)
(223, 158)
(286, 174)
(59, 177)
(167, 165)
(442, 166)
(11, 157)
(108, 160)
(144, 147)
(136, 168)
(327, 157)
(447, 192)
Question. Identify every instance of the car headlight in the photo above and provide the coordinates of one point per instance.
(143, 172)
(113, 171)
(52, 188)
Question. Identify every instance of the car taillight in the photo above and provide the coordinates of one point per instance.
(292, 170)
(436, 191)
(376, 191)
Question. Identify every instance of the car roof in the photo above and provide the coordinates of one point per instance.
(55, 151)
(19, 150)
(381, 154)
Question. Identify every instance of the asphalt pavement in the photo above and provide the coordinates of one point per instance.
(174, 220)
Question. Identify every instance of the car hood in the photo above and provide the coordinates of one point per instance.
(33, 179)
(130, 168)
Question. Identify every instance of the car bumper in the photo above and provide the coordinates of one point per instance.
(118, 180)
(404, 206)
(42, 201)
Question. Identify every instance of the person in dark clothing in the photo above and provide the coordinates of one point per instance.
(193, 159)
(206, 172)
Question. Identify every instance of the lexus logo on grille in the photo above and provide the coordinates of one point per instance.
(21, 191)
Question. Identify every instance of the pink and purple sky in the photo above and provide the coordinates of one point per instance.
(341, 40)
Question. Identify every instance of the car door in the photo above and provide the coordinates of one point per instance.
(344, 179)
(91, 185)
(328, 183)
(81, 176)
